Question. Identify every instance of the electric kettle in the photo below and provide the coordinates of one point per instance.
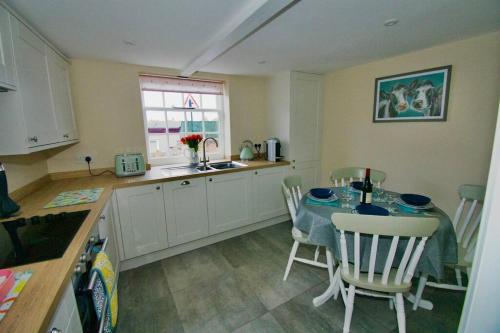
(246, 152)
(7, 206)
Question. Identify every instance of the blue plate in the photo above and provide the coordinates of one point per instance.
(415, 199)
(321, 193)
(357, 185)
(365, 209)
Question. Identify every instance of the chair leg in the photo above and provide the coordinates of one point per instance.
(331, 265)
(316, 254)
(348, 308)
(400, 311)
(420, 291)
(293, 252)
(458, 274)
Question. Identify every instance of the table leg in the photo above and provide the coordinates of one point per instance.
(329, 292)
(416, 299)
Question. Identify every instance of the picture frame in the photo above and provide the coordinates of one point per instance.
(414, 96)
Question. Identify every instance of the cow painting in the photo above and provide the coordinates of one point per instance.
(415, 96)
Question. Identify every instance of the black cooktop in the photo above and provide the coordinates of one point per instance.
(39, 238)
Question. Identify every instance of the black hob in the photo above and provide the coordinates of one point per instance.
(39, 238)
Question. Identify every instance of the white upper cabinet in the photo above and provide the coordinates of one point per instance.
(186, 210)
(7, 74)
(61, 96)
(37, 115)
(142, 219)
(267, 194)
(229, 201)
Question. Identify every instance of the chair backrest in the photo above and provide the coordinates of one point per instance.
(339, 177)
(468, 215)
(293, 184)
(375, 226)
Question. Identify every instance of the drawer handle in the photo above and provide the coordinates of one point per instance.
(293, 167)
(186, 182)
(66, 136)
(209, 179)
(158, 187)
(55, 330)
(256, 173)
(33, 139)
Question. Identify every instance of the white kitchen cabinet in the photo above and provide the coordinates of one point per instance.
(66, 318)
(295, 118)
(142, 219)
(107, 230)
(34, 86)
(267, 194)
(38, 115)
(61, 96)
(229, 201)
(308, 172)
(186, 210)
(7, 71)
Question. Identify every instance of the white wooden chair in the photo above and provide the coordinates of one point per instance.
(291, 189)
(339, 177)
(466, 224)
(393, 282)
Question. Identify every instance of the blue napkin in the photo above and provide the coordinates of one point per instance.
(365, 209)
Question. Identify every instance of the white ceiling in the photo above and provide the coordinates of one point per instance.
(313, 35)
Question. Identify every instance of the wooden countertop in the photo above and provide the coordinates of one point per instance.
(33, 310)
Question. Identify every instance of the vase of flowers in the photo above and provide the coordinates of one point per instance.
(192, 141)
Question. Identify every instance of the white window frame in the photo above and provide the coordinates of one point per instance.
(155, 161)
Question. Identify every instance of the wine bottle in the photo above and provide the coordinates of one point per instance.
(366, 196)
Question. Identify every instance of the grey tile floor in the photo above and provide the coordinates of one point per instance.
(236, 286)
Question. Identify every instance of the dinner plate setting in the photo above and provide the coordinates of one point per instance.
(414, 202)
(331, 198)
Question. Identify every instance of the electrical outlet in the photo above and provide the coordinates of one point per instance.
(81, 158)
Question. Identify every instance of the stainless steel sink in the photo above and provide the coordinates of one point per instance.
(227, 165)
(180, 170)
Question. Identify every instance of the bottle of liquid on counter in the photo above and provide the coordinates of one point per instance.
(366, 196)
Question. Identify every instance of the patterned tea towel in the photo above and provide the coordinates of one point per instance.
(21, 279)
(104, 294)
(78, 197)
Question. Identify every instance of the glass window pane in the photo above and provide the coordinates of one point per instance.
(211, 121)
(174, 145)
(156, 121)
(157, 145)
(175, 121)
(194, 121)
(192, 101)
(173, 99)
(153, 98)
(209, 101)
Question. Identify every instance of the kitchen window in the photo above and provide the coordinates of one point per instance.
(175, 107)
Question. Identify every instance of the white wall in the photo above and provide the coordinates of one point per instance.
(422, 157)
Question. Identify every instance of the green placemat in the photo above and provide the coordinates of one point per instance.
(78, 197)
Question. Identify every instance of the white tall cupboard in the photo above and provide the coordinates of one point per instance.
(295, 105)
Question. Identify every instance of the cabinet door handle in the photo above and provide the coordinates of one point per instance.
(293, 167)
(158, 188)
(293, 161)
(209, 179)
(256, 173)
(55, 330)
(186, 182)
(66, 136)
(33, 139)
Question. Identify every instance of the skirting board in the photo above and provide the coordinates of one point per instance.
(159, 255)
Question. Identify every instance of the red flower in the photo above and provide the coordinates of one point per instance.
(192, 141)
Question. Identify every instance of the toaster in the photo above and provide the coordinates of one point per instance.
(129, 165)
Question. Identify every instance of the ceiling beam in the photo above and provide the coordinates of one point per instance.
(249, 20)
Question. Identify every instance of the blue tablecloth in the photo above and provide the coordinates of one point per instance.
(315, 220)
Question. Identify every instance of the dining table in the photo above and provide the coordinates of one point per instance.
(314, 217)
